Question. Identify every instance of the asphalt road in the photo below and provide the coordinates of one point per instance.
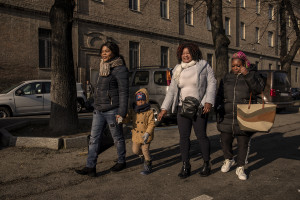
(273, 169)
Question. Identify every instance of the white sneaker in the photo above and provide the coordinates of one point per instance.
(241, 174)
(227, 164)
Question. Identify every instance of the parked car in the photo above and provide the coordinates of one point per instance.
(156, 80)
(295, 92)
(277, 88)
(32, 97)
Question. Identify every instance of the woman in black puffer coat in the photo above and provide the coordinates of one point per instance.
(111, 100)
(235, 88)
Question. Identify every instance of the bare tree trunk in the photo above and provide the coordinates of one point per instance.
(63, 84)
(221, 41)
(287, 57)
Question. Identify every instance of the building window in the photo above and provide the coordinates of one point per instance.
(270, 66)
(210, 59)
(44, 48)
(164, 9)
(271, 12)
(257, 37)
(270, 39)
(134, 55)
(257, 64)
(164, 54)
(278, 67)
(189, 14)
(208, 24)
(296, 75)
(243, 3)
(134, 5)
(258, 6)
(227, 26)
(243, 31)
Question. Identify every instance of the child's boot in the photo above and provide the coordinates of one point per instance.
(147, 167)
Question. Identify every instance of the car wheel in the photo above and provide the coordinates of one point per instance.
(156, 111)
(4, 112)
(79, 107)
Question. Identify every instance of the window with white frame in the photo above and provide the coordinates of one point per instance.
(164, 55)
(271, 12)
(134, 55)
(257, 35)
(44, 48)
(208, 24)
(134, 5)
(227, 26)
(270, 39)
(258, 6)
(189, 14)
(243, 31)
(243, 3)
(164, 9)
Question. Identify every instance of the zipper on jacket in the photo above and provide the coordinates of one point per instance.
(233, 102)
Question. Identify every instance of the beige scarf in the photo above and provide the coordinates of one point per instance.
(105, 66)
(181, 67)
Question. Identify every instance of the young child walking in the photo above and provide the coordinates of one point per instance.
(143, 125)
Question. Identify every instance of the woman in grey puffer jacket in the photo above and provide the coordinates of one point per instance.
(235, 88)
(192, 77)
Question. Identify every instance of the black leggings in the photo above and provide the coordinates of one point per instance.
(185, 127)
(243, 147)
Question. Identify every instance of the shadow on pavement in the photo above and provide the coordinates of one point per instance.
(161, 155)
(271, 147)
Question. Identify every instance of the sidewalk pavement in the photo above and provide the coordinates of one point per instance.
(273, 170)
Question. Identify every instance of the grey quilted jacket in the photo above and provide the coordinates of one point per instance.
(206, 85)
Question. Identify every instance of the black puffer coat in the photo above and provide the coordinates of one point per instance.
(112, 91)
(235, 89)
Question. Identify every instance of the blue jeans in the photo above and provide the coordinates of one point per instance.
(100, 119)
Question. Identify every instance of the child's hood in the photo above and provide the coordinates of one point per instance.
(144, 90)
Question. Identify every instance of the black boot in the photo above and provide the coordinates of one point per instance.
(185, 170)
(205, 169)
(147, 167)
(87, 171)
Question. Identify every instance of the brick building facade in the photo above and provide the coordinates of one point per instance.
(148, 33)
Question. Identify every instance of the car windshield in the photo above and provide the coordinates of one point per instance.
(10, 88)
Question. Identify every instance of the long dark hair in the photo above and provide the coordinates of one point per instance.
(114, 49)
(193, 49)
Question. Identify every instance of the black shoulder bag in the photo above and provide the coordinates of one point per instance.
(189, 107)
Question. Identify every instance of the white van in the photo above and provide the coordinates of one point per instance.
(32, 97)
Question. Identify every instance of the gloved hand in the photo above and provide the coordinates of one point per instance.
(145, 137)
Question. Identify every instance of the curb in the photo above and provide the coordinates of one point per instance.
(8, 140)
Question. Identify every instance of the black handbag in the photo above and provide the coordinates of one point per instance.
(189, 107)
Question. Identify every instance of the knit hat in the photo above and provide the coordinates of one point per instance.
(140, 96)
(242, 56)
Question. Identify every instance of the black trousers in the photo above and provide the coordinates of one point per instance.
(185, 127)
(243, 147)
